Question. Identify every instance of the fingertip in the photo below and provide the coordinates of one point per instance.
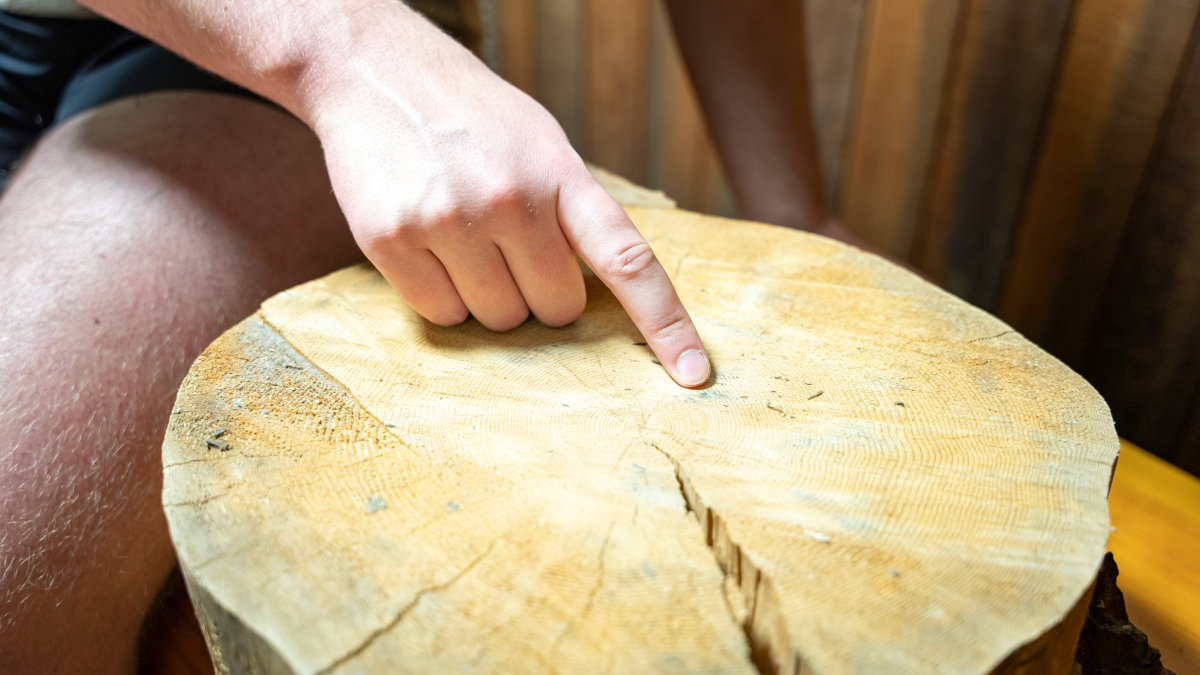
(419, 277)
(558, 321)
(692, 369)
(448, 310)
(447, 318)
(503, 324)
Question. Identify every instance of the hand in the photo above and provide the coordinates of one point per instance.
(468, 198)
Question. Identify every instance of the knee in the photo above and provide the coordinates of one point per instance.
(198, 191)
(203, 160)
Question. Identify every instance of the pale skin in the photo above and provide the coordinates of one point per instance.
(460, 189)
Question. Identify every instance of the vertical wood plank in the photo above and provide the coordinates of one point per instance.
(834, 34)
(1145, 358)
(618, 40)
(907, 48)
(999, 90)
(517, 60)
(560, 70)
(1121, 59)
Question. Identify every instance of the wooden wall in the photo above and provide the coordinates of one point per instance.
(610, 72)
(1040, 159)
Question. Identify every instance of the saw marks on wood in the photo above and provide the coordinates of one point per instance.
(880, 478)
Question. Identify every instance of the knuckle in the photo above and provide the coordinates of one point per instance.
(564, 314)
(441, 215)
(401, 228)
(505, 196)
(631, 262)
(668, 325)
(562, 161)
(511, 204)
(386, 239)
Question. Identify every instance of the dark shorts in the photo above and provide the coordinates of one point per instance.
(51, 69)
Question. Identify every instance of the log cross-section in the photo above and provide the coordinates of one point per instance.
(880, 478)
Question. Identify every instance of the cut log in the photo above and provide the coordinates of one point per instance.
(880, 478)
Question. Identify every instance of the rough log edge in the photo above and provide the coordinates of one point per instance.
(1054, 650)
(233, 645)
(1060, 643)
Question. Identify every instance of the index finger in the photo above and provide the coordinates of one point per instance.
(602, 234)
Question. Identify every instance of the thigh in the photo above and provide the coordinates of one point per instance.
(133, 234)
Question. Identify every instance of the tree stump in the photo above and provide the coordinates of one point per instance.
(880, 478)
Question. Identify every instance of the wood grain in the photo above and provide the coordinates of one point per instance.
(1121, 58)
(1003, 155)
(880, 478)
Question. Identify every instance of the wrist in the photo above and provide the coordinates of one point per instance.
(373, 50)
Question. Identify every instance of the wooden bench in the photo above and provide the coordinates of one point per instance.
(1155, 510)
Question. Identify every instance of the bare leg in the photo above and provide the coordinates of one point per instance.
(132, 237)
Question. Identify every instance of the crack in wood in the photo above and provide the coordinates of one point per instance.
(993, 337)
(223, 554)
(758, 651)
(198, 502)
(186, 462)
(404, 611)
(591, 599)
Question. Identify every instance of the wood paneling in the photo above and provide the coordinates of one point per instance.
(1120, 61)
(611, 74)
(618, 87)
(1004, 66)
(901, 83)
(1034, 158)
(560, 33)
(834, 34)
(515, 46)
(1144, 354)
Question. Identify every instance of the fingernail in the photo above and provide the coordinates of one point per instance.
(691, 370)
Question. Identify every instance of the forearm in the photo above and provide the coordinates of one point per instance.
(297, 53)
(748, 64)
